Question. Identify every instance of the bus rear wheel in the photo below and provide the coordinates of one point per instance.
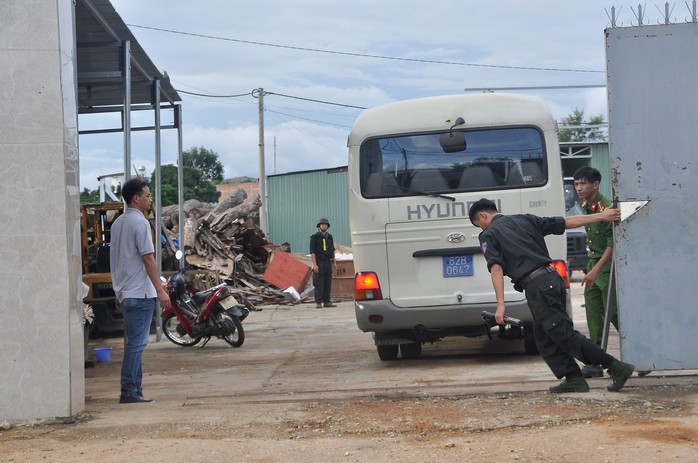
(388, 352)
(411, 350)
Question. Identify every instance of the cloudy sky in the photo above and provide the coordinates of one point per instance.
(353, 53)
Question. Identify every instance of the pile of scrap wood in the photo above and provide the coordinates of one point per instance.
(212, 240)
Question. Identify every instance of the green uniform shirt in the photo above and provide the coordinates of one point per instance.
(600, 234)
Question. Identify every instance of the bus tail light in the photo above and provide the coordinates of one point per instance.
(561, 267)
(366, 287)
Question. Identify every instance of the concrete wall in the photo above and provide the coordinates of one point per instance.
(41, 346)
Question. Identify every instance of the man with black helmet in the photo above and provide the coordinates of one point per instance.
(322, 254)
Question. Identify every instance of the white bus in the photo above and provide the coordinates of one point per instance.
(414, 168)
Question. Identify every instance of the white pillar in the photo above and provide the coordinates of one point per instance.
(41, 346)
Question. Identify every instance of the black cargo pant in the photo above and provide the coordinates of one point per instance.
(557, 340)
(322, 281)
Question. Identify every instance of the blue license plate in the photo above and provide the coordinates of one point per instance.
(458, 266)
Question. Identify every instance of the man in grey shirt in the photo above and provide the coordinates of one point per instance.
(136, 283)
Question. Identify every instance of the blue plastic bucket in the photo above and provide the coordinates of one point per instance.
(103, 354)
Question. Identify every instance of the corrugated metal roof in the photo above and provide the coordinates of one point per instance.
(100, 33)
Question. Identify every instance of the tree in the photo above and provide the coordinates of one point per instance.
(88, 196)
(576, 118)
(205, 161)
(202, 172)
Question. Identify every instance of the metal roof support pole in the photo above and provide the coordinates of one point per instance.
(180, 181)
(262, 170)
(127, 109)
(158, 202)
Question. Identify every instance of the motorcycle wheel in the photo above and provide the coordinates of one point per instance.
(237, 337)
(169, 326)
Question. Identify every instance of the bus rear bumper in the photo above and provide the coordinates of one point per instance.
(385, 318)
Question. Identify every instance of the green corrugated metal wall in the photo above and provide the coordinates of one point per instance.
(601, 160)
(298, 199)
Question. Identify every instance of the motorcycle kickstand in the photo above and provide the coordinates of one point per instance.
(206, 340)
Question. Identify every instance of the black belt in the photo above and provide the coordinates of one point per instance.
(535, 274)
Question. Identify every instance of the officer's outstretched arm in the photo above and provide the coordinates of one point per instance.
(609, 214)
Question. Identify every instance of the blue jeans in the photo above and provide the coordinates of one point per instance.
(138, 314)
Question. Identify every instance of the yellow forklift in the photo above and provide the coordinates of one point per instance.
(96, 222)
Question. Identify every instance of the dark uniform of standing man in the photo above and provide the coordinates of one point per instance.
(514, 245)
(322, 254)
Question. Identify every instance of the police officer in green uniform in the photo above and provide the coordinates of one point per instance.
(322, 255)
(600, 243)
(514, 245)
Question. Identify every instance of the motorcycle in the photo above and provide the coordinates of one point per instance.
(195, 315)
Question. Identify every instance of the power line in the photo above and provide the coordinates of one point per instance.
(315, 101)
(545, 87)
(306, 119)
(213, 96)
(361, 55)
(253, 94)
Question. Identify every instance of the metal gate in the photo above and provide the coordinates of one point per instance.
(653, 132)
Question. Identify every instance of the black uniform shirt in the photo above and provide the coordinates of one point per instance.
(322, 246)
(516, 242)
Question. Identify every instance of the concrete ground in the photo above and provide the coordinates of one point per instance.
(308, 386)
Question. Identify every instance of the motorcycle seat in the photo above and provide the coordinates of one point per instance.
(201, 296)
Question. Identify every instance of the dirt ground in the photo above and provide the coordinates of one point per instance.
(307, 386)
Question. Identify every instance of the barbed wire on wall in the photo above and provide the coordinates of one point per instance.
(666, 16)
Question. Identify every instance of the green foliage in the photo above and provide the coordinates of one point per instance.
(168, 195)
(204, 161)
(89, 196)
(576, 118)
(202, 172)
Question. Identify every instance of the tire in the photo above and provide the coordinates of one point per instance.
(237, 337)
(529, 343)
(411, 351)
(387, 353)
(169, 327)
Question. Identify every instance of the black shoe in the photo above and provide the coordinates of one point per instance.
(592, 371)
(133, 399)
(574, 384)
(619, 372)
(329, 304)
(642, 373)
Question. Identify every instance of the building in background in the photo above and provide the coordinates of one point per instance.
(230, 185)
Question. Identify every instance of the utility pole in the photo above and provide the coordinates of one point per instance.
(262, 173)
